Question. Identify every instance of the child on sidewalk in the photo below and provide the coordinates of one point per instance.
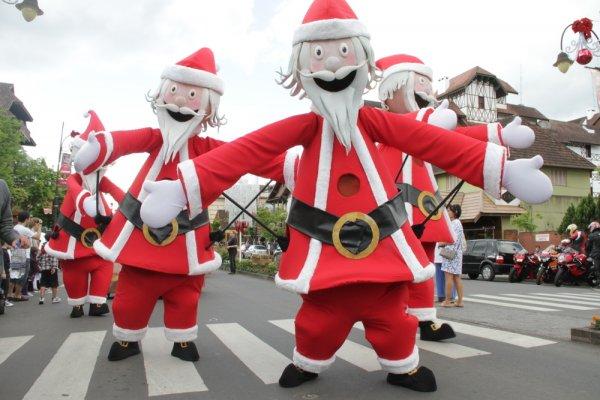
(48, 266)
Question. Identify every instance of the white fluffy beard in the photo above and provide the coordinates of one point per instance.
(340, 109)
(175, 134)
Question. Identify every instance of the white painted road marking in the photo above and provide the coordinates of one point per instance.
(354, 353)
(263, 360)
(537, 302)
(586, 295)
(550, 298)
(500, 304)
(69, 372)
(166, 374)
(515, 339)
(11, 344)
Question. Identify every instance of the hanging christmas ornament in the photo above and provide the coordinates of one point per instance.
(583, 47)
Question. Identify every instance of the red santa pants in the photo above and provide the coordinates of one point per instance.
(421, 295)
(87, 280)
(138, 291)
(327, 316)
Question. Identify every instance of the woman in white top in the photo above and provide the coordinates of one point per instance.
(452, 266)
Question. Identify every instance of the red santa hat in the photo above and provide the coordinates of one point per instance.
(402, 62)
(95, 125)
(329, 20)
(198, 69)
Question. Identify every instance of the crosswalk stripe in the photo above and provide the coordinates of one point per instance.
(542, 303)
(515, 339)
(586, 295)
(166, 374)
(69, 372)
(567, 296)
(354, 353)
(263, 360)
(11, 344)
(509, 305)
(551, 298)
(446, 349)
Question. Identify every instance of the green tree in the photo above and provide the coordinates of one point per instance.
(274, 219)
(31, 182)
(567, 219)
(525, 222)
(585, 212)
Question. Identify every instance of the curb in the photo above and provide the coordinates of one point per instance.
(249, 273)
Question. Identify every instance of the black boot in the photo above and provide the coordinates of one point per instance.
(434, 333)
(293, 376)
(77, 312)
(96, 310)
(122, 350)
(420, 380)
(185, 351)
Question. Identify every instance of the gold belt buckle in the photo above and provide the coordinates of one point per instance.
(170, 239)
(423, 196)
(84, 236)
(352, 217)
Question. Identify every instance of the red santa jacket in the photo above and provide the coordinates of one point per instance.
(308, 264)
(67, 247)
(188, 254)
(420, 175)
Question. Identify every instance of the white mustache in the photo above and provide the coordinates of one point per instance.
(182, 110)
(430, 98)
(329, 76)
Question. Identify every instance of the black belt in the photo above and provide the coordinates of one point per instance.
(355, 235)
(130, 208)
(425, 201)
(86, 236)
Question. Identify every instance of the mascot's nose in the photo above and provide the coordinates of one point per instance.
(180, 101)
(332, 64)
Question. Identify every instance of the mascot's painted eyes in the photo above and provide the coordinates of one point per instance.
(422, 80)
(344, 49)
(173, 88)
(318, 51)
(192, 94)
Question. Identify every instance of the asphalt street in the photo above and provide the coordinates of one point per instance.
(510, 345)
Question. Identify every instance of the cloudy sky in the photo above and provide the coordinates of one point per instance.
(106, 55)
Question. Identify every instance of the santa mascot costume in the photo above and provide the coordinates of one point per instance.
(83, 217)
(351, 248)
(168, 261)
(406, 88)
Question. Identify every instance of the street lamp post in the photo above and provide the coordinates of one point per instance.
(29, 8)
(584, 47)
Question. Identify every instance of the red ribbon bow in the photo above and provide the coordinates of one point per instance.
(583, 26)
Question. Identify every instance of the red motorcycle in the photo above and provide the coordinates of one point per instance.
(525, 266)
(575, 267)
(548, 265)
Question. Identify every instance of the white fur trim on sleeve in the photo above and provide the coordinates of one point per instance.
(495, 134)
(423, 314)
(192, 76)
(422, 112)
(108, 139)
(181, 335)
(418, 68)
(493, 164)
(289, 170)
(401, 366)
(84, 194)
(310, 365)
(191, 183)
(330, 29)
(128, 335)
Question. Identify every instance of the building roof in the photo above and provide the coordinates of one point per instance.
(477, 204)
(11, 103)
(521, 111)
(571, 133)
(463, 80)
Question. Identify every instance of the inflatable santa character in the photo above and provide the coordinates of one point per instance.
(84, 215)
(406, 88)
(168, 261)
(352, 250)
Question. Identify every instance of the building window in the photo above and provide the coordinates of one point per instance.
(481, 103)
(451, 182)
(558, 177)
(588, 151)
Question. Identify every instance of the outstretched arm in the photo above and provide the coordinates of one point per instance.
(107, 186)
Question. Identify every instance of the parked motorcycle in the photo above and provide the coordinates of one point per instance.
(525, 267)
(548, 264)
(575, 267)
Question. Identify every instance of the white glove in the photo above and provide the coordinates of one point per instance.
(164, 202)
(517, 135)
(442, 117)
(525, 181)
(89, 206)
(87, 154)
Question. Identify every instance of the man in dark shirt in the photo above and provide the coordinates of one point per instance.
(232, 250)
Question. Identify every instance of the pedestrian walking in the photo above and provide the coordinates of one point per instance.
(18, 269)
(440, 277)
(593, 245)
(232, 250)
(452, 263)
(48, 266)
(7, 235)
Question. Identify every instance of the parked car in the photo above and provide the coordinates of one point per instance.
(255, 250)
(489, 257)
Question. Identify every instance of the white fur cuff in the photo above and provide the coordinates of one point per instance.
(76, 302)
(401, 366)
(289, 170)
(96, 299)
(310, 365)
(495, 134)
(423, 314)
(129, 335)
(181, 335)
(493, 165)
(330, 29)
(191, 184)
